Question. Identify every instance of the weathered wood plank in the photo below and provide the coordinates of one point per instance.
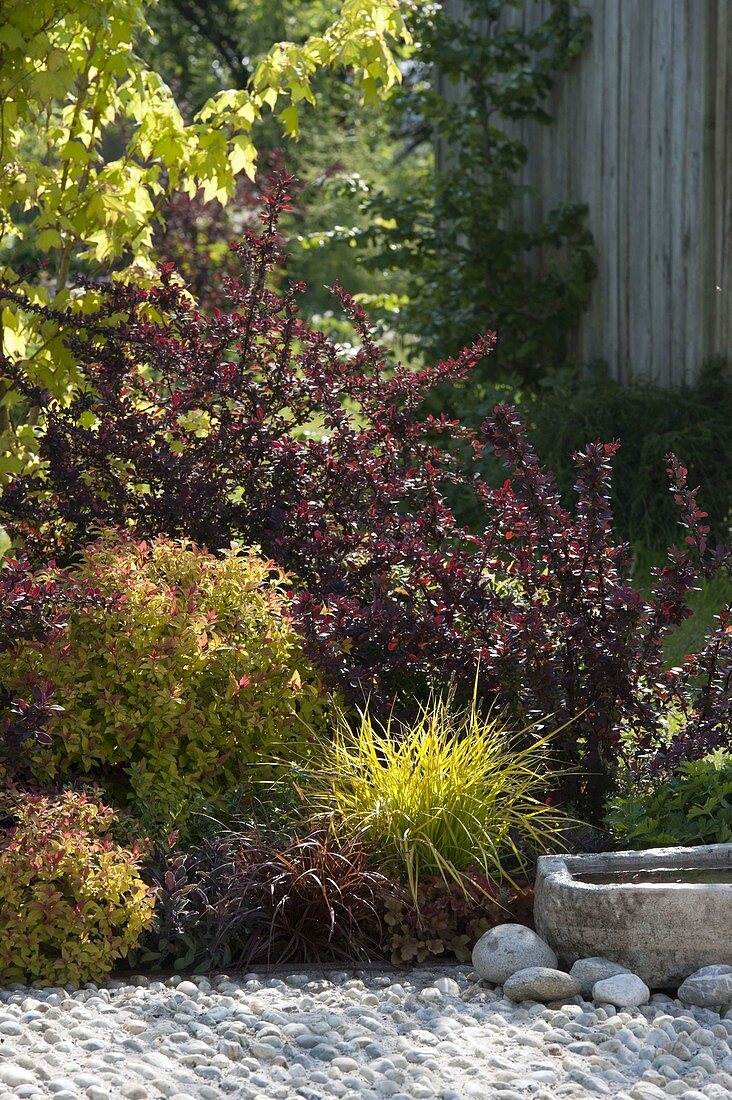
(642, 135)
(660, 198)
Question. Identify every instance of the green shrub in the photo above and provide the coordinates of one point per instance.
(183, 680)
(575, 404)
(693, 420)
(72, 901)
(274, 806)
(436, 797)
(692, 807)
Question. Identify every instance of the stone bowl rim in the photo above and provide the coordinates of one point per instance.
(559, 868)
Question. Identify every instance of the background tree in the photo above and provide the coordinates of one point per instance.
(203, 46)
(339, 146)
(451, 226)
(93, 141)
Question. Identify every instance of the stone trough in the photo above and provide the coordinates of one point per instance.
(626, 907)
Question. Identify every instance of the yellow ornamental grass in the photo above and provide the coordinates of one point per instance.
(450, 792)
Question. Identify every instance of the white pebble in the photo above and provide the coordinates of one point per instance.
(189, 989)
(422, 1034)
(448, 986)
(13, 1075)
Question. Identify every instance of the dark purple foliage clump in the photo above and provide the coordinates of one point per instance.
(319, 896)
(33, 607)
(29, 609)
(248, 425)
(204, 916)
(247, 898)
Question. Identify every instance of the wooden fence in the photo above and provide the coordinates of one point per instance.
(641, 133)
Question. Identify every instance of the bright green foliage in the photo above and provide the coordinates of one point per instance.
(203, 46)
(693, 807)
(72, 901)
(446, 793)
(69, 75)
(191, 682)
(92, 142)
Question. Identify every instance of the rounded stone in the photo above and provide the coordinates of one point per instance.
(709, 987)
(264, 1052)
(590, 971)
(135, 1027)
(14, 1076)
(622, 990)
(448, 986)
(369, 1047)
(187, 988)
(508, 948)
(540, 983)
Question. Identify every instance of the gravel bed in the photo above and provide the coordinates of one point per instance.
(430, 1034)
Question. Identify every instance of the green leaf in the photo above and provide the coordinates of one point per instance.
(243, 156)
(5, 542)
(72, 85)
(48, 239)
(270, 96)
(290, 120)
